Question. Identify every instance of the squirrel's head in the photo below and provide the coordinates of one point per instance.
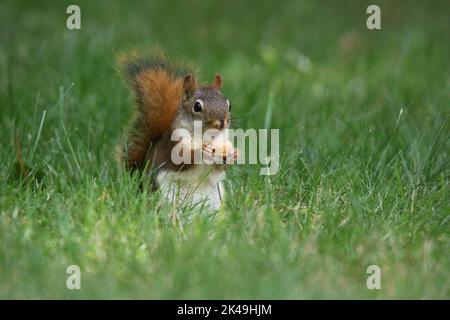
(206, 103)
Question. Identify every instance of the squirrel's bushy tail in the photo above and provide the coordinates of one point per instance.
(157, 85)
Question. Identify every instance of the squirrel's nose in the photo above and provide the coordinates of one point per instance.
(219, 124)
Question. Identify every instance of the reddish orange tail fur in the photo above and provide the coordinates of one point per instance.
(157, 85)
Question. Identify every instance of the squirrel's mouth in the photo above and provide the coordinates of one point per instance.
(219, 124)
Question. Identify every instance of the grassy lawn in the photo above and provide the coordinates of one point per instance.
(364, 143)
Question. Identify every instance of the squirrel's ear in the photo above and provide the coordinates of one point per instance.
(218, 81)
(189, 84)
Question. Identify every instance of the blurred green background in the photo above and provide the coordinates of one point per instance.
(364, 133)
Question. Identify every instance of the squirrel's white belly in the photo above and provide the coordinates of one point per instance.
(202, 183)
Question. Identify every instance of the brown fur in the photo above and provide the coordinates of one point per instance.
(160, 95)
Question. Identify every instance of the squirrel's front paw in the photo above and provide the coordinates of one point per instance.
(232, 155)
(209, 154)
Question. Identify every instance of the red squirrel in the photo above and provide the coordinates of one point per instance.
(168, 98)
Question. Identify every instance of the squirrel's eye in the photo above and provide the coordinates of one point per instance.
(229, 105)
(198, 106)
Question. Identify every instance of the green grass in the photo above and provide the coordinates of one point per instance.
(364, 133)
